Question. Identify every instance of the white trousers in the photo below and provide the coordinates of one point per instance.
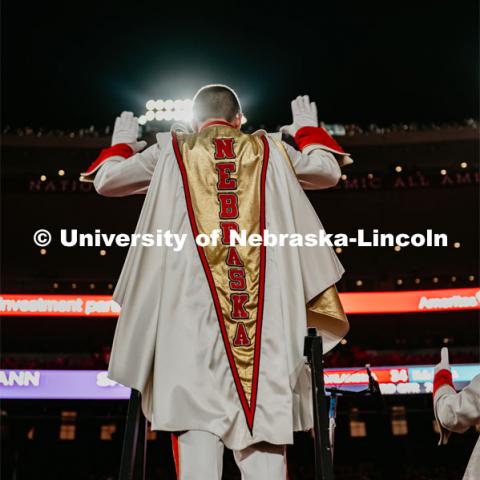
(199, 456)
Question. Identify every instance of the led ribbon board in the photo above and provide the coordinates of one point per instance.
(415, 301)
(95, 384)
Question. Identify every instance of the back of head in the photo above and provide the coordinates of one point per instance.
(216, 101)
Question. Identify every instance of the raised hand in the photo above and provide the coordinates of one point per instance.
(304, 114)
(126, 131)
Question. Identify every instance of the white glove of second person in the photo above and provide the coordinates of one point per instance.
(126, 131)
(304, 114)
(444, 362)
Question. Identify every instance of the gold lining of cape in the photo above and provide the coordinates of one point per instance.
(325, 312)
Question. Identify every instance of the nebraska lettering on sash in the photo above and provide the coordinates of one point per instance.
(225, 181)
(233, 259)
(237, 278)
(228, 205)
(239, 301)
(224, 148)
(219, 196)
(226, 227)
(241, 336)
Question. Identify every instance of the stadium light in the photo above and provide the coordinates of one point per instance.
(151, 104)
(180, 110)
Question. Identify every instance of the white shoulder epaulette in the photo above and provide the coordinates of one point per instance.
(274, 135)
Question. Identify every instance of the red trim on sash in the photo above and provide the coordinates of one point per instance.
(261, 286)
(249, 410)
(118, 150)
(216, 122)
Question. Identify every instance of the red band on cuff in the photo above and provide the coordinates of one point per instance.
(119, 150)
(316, 136)
(442, 377)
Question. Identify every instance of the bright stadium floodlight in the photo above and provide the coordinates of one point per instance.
(186, 116)
(151, 104)
(180, 110)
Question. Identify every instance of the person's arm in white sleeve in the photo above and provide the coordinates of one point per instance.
(318, 159)
(316, 169)
(118, 177)
(457, 412)
(454, 412)
(123, 169)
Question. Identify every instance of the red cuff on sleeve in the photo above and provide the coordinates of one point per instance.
(441, 378)
(119, 150)
(316, 136)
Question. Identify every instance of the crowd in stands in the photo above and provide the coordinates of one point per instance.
(355, 356)
(341, 357)
(349, 129)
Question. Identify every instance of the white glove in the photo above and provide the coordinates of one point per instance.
(126, 131)
(304, 114)
(444, 362)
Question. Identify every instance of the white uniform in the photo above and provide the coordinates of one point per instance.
(199, 455)
(168, 344)
(457, 412)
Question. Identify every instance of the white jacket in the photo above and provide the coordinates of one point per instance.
(167, 342)
(457, 412)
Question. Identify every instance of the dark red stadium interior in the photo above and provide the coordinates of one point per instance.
(372, 195)
(397, 84)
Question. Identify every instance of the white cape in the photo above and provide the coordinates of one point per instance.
(168, 344)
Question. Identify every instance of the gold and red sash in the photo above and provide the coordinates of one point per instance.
(223, 172)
